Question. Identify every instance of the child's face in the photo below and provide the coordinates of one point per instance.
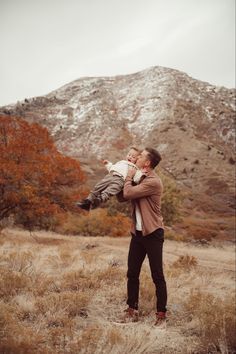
(132, 156)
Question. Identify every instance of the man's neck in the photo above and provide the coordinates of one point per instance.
(146, 170)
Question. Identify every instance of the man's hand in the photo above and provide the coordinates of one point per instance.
(144, 170)
(131, 172)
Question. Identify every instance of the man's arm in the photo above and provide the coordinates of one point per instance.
(144, 189)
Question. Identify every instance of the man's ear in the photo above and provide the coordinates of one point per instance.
(147, 163)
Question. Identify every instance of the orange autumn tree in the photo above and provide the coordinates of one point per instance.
(37, 183)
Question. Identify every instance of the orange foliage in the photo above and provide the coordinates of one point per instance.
(36, 181)
(97, 222)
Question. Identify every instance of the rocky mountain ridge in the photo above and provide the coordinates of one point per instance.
(190, 122)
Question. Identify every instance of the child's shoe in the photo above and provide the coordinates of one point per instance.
(95, 203)
(84, 204)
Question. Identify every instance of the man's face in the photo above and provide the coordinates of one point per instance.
(143, 160)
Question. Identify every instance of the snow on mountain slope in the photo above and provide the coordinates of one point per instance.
(189, 121)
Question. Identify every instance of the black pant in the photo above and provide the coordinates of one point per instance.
(152, 245)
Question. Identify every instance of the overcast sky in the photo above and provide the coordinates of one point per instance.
(48, 43)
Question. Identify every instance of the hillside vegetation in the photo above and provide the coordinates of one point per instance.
(39, 186)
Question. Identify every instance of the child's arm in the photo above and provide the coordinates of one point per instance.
(137, 176)
(107, 164)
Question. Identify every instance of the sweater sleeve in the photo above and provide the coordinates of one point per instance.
(144, 189)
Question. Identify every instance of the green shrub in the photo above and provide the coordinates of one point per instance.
(171, 200)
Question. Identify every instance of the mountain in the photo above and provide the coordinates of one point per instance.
(190, 122)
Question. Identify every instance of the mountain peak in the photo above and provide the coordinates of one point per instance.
(186, 119)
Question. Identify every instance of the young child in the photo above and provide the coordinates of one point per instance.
(113, 182)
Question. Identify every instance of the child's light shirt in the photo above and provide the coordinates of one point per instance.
(122, 167)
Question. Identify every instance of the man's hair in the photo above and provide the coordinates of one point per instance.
(153, 156)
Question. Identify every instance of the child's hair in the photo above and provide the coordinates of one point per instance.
(134, 148)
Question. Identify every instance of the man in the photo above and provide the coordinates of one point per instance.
(147, 233)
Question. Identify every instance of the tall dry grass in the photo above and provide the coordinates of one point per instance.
(66, 294)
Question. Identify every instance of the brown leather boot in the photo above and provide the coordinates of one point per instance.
(160, 319)
(131, 315)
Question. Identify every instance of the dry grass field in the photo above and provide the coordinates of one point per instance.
(66, 294)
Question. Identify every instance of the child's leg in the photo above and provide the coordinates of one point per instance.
(99, 187)
(95, 197)
(114, 187)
